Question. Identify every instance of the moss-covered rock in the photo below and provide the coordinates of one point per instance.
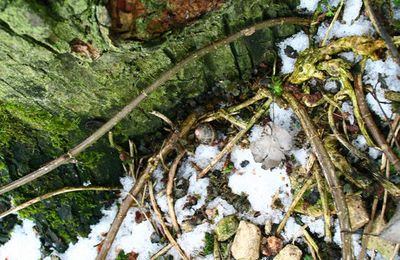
(53, 93)
(226, 228)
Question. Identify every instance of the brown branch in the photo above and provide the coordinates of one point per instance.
(328, 170)
(170, 190)
(52, 194)
(381, 30)
(236, 138)
(167, 233)
(369, 121)
(164, 77)
(152, 164)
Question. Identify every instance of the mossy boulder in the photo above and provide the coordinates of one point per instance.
(63, 75)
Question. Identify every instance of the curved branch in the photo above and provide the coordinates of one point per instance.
(164, 77)
(52, 194)
(369, 121)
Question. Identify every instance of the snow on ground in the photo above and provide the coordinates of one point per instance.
(132, 237)
(23, 245)
(381, 75)
(298, 42)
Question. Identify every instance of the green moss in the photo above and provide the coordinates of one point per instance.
(55, 126)
(208, 244)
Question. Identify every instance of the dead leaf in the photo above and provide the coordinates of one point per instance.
(272, 145)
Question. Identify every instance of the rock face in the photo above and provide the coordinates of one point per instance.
(289, 252)
(246, 244)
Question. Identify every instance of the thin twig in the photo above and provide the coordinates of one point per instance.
(381, 30)
(368, 228)
(167, 233)
(162, 252)
(369, 121)
(170, 191)
(52, 194)
(324, 201)
(228, 147)
(164, 77)
(152, 164)
(332, 22)
(329, 172)
(299, 195)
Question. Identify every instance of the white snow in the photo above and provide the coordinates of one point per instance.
(331, 86)
(260, 185)
(308, 5)
(127, 239)
(347, 107)
(23, 244)
(222, 207)
(192, 242)
(285, 118)
(298, 42)
(292, 230)
(351, 10)
(375, 72)
(316, 225)
(301, 155)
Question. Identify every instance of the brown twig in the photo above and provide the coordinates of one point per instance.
(52, 194)
(162, 252)
(167, 233)
(369, 121)
(368, 228)
(152, 164)
(170, 190)
(381, 30)
(228, 147)
(329, 172)
(299, 195)
(164, 77)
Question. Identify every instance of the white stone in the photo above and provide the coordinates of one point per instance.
(289, 252)
(246, 244)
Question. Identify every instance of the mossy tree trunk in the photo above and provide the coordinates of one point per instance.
(62, 75)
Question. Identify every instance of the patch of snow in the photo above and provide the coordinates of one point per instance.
(331, 86)
(131, 237)
(285, 118)
(347, 107)
(301, 155)
(127, 183)
(158, 177)
(223, 208)
(376, 72)
(162, 203)
(374, 153)
(192, 242)
(351, 10)
(316, 225)
(197, 188)
(308, 5)
(261, 186)
(23, 243)
(360, 142)
(204, 154)
(299, 42)
(292, 230)
(255, 133)
(361, 26)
